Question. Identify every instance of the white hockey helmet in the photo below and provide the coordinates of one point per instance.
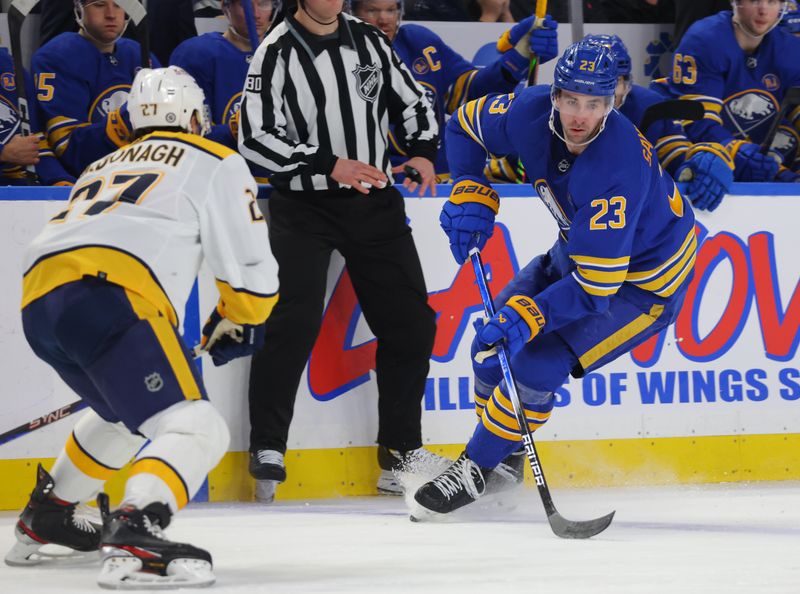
(167, 98)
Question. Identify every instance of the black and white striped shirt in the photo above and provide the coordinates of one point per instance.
(309, 100)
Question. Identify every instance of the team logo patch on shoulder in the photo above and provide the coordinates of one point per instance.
(9, 84)
(367, 82)
(771, 82)
(420, 66)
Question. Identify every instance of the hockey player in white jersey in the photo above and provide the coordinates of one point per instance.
(102, 288)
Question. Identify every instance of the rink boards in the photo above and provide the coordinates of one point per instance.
(714, 398)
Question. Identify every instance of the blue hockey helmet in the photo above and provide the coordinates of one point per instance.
(586, 67)
(618, 50)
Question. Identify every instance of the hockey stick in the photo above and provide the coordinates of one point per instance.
(560, 525)
(673, 109)
(533, 70)
(791, 99)
(17, 13)
(250, 19)
(138, 16)
(42, 421)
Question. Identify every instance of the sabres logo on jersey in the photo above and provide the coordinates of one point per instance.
(430, 93)
(367, 79)
(549, 199)
(9, 121)
(749, 109)
(108, 101)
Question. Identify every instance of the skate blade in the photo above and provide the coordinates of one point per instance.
(389, 484)
(265, 491)
(27, 552)
(124, 573)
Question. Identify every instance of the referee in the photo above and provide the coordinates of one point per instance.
(320, 94)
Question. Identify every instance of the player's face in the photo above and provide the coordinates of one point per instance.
(758, 15)
(103, 20)
(622, 90)
(581, 115)
(383, 14)
(262, 14)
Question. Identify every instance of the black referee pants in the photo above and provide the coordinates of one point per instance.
(372, 235)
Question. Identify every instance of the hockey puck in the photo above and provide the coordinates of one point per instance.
(412, 174)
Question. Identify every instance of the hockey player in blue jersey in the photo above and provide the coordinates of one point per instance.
(219, 63)
(16, 151)
(448, 79)
(739, 65)
(82, 83)
(705, 169)
(616, 275)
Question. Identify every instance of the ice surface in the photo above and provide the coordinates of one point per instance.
(735, 538)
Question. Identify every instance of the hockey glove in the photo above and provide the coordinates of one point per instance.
(484, 356)
(707, 174)
(524, 40)
(118, 126)
(225, 340)
(787, 176)
(751, 164)
(468, 217)
(517, 322)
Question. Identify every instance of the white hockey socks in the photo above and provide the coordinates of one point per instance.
(187, 441)
(95, 450)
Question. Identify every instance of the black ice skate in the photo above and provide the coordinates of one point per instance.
(269, 470)
(393, 463)
(510, 473)
(461, 484)
(50, 521)
(136, 555)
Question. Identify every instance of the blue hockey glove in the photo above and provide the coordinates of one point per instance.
(787, 176)
(468, 216)
(224, 340)
(751, 164)
(484, 356)
(517, 322)
(526, 38)
(707, 173)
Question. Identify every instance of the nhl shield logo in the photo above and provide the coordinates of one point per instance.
(367, 82)
(153, 382)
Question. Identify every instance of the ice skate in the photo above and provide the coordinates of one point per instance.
(269, 470)
(137, 555)
(47, 520)
(507, 475)
(461, 484)
(394, 463)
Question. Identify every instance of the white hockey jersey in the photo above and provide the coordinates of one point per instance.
(143, 218)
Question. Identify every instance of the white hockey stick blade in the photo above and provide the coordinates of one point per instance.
(123, 573)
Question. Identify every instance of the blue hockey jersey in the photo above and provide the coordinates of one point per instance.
(79, 92)
(667, 136)
(220, 69)
(49, 170)
(448, 80)
(621, 218)
(741, 92)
